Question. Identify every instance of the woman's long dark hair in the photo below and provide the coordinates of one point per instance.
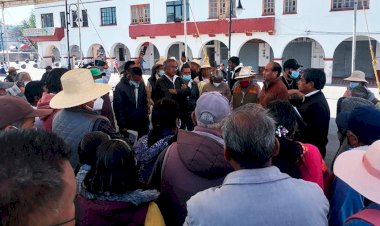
(164, 119)
(290, 151)
(115, 170)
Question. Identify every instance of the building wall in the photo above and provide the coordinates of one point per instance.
(314, 20)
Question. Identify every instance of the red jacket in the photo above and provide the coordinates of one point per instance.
(273, 90)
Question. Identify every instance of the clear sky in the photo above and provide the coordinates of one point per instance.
(14, 16)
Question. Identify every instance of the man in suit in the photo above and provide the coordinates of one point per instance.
(171, 86)
(314, 109)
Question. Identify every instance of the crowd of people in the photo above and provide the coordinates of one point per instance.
(193, 145)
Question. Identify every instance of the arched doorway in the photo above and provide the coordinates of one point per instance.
(177, 49)
(256, 53)
(120, 52)
(75, 54)
(52, 56)
(217, 52)
(308, 52)
(148, 52)
(96, 51)
(363, 61)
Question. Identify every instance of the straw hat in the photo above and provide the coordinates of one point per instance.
(246, 72)
(196, 61)
(78, 88)
(161, 60)
(206, 63)
(357, 76)
(360, 169)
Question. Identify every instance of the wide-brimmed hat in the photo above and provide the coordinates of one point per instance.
(160, 61)
(357, 76)
(13, 109)
(245, 72)
(196, 61)
(78, 88)
(360, 169)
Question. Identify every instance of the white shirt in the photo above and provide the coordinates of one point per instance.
(172, 80)
(311, 93)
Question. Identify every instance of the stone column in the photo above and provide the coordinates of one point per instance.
(328, 68)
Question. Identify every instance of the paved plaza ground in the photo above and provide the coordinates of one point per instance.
(332, 93)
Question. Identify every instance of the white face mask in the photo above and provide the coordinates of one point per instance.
(216, 84)
(98, 104)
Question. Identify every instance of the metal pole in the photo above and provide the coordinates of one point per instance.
(229, 31)
(67, 36)
(5, 36)
(185, 25)
(2, 45)
(353, 57)
(80, 21)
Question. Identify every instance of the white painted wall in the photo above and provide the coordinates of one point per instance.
(314, 19)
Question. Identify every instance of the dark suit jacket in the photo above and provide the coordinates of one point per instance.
(163, 85)
(316, 114)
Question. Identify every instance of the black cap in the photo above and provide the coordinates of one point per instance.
(291, 63)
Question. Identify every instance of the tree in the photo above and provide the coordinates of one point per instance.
(30, 22)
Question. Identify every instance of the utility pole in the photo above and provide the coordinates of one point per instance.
(67, 36)
(353, 57)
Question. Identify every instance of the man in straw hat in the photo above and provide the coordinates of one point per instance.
(205, 75)
(357, 78)
(195, 65)
(273, 87)
(246, 90)
(363, 175)
(77, 117)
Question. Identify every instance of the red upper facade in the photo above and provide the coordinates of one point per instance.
(210, 28)
(45, 34)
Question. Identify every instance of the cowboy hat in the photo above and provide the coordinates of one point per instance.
(360, 168)
(196, 61)
(246, 72)
(357, 76)
(161, 60)
(78, 88)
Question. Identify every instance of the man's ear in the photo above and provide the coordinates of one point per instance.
(352, 139)
(194, 118)
(276, 150)
(226, 154)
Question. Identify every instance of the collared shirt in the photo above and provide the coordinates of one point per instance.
(311, 93)
(172, 79)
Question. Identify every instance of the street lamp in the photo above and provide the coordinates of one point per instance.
(239, 10)
(79, 22)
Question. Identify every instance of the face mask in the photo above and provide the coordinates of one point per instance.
(98, 104)
(353, 85)
(136, 84)
(186, 78)
(244, 84)
(161, 72)
(294, 74)
(216, 84)
(99, 80)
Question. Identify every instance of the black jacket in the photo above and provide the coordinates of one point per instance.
(124, 104)
(316, 114)
(163, 85)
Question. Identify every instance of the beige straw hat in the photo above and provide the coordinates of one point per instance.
(161, 60)
(357, 76)
(78, 88)
(246, 72)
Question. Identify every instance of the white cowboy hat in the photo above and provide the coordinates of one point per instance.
(196, 61)
(357, 76)
(161, 60)
(361, 170)
(78, 88)
(246, 72)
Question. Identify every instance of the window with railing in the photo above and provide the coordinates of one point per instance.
(174, 11)
(140, 14)
(108, 16)
(290, 6)
(348, 4)
(268, 7)
(220, 9)
(47, 20)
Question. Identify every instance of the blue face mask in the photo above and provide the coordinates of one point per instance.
(186, 78)
(353, 85)
(294, 74)
(161, 72)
